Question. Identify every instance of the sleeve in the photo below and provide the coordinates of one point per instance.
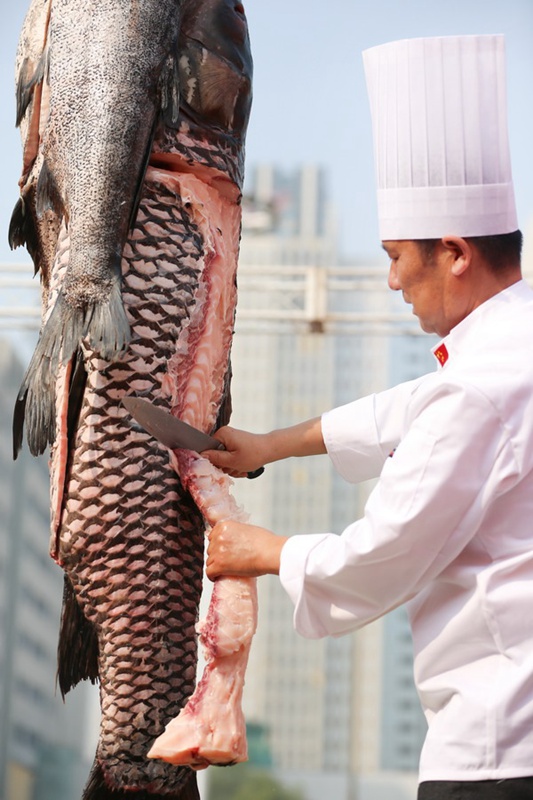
(429, 502)
(359, 436)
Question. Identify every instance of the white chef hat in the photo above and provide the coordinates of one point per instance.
(439, 118)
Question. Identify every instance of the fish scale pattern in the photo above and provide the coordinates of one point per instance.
(224, 155)
(131, 539)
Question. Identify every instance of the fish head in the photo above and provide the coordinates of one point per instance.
(221, 26)
(214, 47)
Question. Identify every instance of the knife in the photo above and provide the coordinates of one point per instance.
(171, 431)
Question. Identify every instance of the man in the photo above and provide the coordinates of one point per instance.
(449, 526)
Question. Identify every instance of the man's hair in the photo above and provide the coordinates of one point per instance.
(500, 251)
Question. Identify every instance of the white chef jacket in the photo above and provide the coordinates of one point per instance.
(449, 528)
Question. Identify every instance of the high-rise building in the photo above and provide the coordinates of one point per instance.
(343, 714)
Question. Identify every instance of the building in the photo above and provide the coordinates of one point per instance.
(343, 714)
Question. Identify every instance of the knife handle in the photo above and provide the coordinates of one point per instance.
(256, 473)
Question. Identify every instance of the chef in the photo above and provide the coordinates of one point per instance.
(449, 527)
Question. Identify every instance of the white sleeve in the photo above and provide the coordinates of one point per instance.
(429, 502)
(360, 435)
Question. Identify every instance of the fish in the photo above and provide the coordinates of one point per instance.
(133, 120)
(94, 141)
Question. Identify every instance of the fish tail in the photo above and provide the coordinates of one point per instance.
(77, 652)
(98, 789)
(103, 325)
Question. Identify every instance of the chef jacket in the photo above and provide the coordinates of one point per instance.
(449, 528)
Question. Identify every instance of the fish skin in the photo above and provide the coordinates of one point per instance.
(128, 537)
(105, 64)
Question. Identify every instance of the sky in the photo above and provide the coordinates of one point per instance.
(310, 102)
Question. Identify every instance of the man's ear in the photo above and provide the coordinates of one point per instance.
(460, 251)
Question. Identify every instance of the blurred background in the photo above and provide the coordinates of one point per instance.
(316, 327)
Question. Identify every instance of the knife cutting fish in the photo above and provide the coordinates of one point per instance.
(174, 433)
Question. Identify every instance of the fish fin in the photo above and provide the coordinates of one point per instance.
(35, 403)
(169, 112)
(222, 96)
(78, 381)
(169, 89)
(107, 330)
(105, 324)
(47, 194)
(18, 423)
(98, 789)
(77, 651)
(28, 79)
(169, 95)
(22, 230)
(142, 174)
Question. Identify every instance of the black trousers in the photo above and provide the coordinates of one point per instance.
(513, 789)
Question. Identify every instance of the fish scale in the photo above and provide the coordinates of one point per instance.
(224, 156)
(147, 641)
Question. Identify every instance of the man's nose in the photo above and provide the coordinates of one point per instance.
(393, 277)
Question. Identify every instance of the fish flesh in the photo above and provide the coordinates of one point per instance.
(211, 728)
(133, 118)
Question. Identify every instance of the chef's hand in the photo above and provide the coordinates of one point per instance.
(242, 550)
(245, 452)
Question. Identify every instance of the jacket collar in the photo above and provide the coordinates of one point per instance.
(454, 342)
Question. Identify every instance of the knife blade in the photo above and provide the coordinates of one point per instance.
(171, 431)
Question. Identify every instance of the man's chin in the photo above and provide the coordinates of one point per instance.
(427, 327)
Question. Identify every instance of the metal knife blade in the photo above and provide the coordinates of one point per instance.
(168, 429)
(171, 431)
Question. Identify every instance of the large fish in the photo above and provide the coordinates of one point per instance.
(133, 117)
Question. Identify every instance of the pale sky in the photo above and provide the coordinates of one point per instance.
(310, 102)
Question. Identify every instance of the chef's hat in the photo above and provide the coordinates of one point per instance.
(441, 148)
